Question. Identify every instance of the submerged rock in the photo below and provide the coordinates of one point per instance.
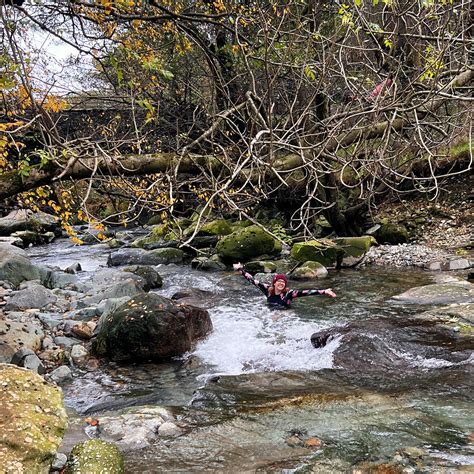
(444, 293)
(150, 327)
(32, 421)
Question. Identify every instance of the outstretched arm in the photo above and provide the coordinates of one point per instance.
(298, 293)
(263, 287)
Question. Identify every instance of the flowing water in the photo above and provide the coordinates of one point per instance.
(256, 380)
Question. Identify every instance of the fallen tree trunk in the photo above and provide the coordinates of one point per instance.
(12, 183)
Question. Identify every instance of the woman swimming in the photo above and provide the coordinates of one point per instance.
(278, 294)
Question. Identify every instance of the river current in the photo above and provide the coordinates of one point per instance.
(256, 380)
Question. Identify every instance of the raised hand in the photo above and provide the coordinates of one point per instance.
(237, 266)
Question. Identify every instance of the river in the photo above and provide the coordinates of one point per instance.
(256, 381)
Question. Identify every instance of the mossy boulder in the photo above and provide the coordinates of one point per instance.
(309, 271)
(324, 251)
(217, 227)
(95, 456)
(355, 246)
(156, 236)
(150, 327)
(246, 244)
(32, 421)
(392, 234)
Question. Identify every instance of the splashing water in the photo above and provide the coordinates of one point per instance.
(255, 338)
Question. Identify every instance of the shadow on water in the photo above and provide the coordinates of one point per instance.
(390, 384)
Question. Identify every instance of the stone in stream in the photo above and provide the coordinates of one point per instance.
(388, 352)
(15, 266)
(95, 456)
(151, 277)
(150, 327)
(444, 293)
(61, 376)
(32, 421)
(24, 219)
(145, 257)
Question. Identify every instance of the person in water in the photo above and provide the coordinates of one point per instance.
(278, 294)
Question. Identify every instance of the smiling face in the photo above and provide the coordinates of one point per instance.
(279, 285)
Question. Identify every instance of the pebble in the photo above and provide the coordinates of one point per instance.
(404, 255)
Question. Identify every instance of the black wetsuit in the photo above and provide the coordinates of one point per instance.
(283, 299)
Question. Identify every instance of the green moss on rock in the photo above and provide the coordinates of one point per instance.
(323, 251)
(356, 246)
(95, 456)
(245, 244)
(32, 420)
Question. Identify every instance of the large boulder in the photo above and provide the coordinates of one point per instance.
(392, 234)
(24, 219)
(324, 251)
(95, 456)
(331, 252)
(32, 421)
(15, 265)
(246, 244)
(355, 246)
(145, 257)
(150, 327)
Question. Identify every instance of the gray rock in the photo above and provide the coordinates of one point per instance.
(310, 271)
(449, 265)
(6, 353)
(16, 241)
(62, 280)
(145, 257)
(208, 264)
(33, 363)
(74, 268)
(49, 320)
(66, 342)
(24, 219)
(79, 354)
(20, 335)
(169, 429)
(445, 293)
(59, 461)
(83, 314)
(33, 295)
(31, 237)
(126, 288)
(15, 265)
(19, 355)
(151, 277)
(106, 306)
(61, 375)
